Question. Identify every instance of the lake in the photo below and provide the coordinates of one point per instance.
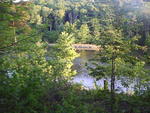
(88, 81)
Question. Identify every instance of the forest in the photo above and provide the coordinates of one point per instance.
(38, 78)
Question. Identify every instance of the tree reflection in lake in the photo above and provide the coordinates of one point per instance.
(90, 82)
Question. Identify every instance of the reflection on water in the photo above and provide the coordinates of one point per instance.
(82, 72)
(85, 79)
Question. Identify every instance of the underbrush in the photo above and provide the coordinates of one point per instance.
(62, 97)
(69, 98)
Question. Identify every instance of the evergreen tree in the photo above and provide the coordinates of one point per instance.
(117, 59)
(24, 71)
(83, 35)
(62, 56)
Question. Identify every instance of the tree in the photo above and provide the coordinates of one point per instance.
(35, 17)
(117, 59)
(13, 22)
(83, 35)
(95, 29)
(62, 56)
(24, 71)
(70, 28)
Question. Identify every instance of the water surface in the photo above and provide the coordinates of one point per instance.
(89, 82)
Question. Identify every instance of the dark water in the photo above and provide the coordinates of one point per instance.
(88, 81)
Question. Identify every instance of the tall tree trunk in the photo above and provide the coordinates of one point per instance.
(105, 85)
(113, 84)
(14, 30)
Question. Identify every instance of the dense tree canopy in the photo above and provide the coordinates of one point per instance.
(37, 78)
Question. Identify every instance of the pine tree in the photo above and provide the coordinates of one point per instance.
(117, 59)
(62, 56)
(83, 35)
(24, 71)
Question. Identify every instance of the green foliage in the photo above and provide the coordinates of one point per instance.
(83, 34)
(24, 71)
(117, 61)
(73, 99)
(63, 55)
(51, 36)
(96, 14)
(24, 75)
(114, 46)
(70, 28)
(34, 80)
(35, 18)
(147, 42)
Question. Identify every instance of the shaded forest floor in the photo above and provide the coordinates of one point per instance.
(73, 99)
